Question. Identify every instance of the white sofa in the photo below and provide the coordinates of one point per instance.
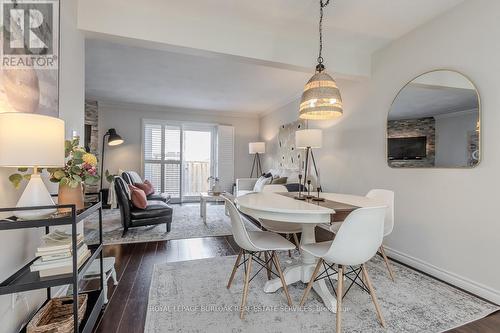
(246, 185)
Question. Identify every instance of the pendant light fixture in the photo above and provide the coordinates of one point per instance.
(321, 97)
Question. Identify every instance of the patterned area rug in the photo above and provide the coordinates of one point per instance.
(186, 223)
(191, 296)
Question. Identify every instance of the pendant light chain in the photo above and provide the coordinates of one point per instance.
(323, 4)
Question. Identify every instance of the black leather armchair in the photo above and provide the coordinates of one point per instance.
(157, 212)
(131, 177)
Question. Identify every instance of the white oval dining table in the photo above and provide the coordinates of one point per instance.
(278, 207)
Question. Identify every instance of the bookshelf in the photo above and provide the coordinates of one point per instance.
(25, 280)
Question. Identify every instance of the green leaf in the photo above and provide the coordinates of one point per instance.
(77, 178)
(68, 147)
(16, 179)
(91, 180)
(22, 169)
(64, 181)
(59, 174)
(27, 177)
(73, 183)
(76, 170)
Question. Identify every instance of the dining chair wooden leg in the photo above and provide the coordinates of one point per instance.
(310, 284)
(373, 296)
(389, 268)
(245, 288)
(277, 264)
(235, 268)
(340, 293)
(268, 266)
(297, 242)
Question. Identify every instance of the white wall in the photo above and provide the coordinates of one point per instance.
(446, 219)
(127, 120)
(18, 247)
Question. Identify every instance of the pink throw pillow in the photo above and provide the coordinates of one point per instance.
(138, 197)
(147, 187)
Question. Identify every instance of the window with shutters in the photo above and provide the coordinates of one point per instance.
(179, 157)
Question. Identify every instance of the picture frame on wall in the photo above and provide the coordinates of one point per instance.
(29, 72)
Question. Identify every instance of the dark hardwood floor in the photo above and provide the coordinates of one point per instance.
(126, 310)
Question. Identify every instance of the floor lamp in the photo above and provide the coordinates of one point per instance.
(256, 148)
(308, 139)
(113, 140)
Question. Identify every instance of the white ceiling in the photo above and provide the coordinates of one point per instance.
(419, 101)
(136, 75)
(124, 73)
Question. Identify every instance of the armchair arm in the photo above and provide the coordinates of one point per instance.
(245, 184)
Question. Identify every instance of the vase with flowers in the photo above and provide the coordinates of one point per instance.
(80, 170)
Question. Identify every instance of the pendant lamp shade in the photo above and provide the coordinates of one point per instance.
(321, 98)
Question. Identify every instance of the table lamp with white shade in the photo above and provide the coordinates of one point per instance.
(308, 139)
(256, 148)
(29, 140)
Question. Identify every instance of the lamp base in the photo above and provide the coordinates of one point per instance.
(35, 194)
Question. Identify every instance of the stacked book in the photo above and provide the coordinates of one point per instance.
(56, 254)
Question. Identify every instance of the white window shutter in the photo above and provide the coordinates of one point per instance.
(225, 157)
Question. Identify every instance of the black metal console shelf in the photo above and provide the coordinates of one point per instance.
(25, 280)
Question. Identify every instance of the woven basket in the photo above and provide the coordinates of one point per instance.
(57, 315)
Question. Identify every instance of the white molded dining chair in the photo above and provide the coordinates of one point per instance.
(355, 243)
(386, 197)
(252, 244)
(286, 228)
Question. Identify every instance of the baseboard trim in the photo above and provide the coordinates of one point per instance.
(456, 280)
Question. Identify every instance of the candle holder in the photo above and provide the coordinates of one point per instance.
(318, 198)
(300, 196)
(309, 196)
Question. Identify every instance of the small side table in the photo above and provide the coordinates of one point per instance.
(207, 197)
(108, 270)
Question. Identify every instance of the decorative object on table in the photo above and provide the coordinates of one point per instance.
(309, 196)
(55, 255)
(321, 97)
(80, 169)
(300, 196)
(256, 148)
(23, 145)
(213, 184)
(318, 189)
(57, 315)
(113, 140)
(287, 153)
(308, 139)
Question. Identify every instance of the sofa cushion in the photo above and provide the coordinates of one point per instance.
(138, 197)
(147, 187)
(159, 197)
(279, 180)
(261, 182)
(155, 209)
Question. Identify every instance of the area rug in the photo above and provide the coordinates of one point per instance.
(186, 223)
(191, 296)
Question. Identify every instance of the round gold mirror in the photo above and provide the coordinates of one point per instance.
(434, 122)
